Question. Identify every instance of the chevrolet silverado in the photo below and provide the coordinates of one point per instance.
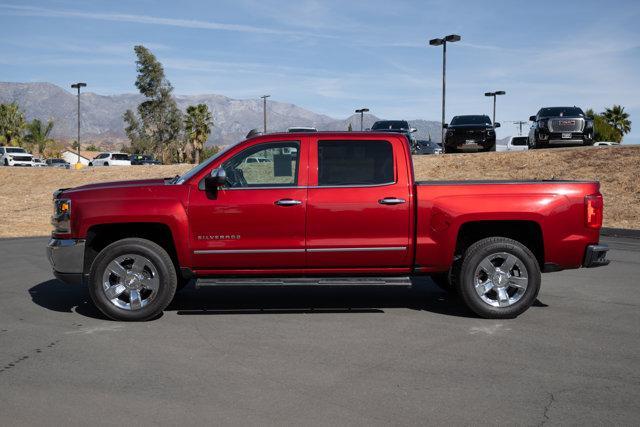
(327, 208)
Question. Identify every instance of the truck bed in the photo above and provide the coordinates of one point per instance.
(555, 208)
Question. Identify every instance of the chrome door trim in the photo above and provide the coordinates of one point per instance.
(370, 249)
(288, 202)
(246, 251)
(283, 251)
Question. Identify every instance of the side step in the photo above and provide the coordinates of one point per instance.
(304, 281)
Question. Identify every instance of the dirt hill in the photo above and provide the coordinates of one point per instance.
(25, 196)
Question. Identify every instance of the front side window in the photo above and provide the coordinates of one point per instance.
(344, 163)
(264, 165)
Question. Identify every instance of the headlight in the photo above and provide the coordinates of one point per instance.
(61, 219)
(543, 123)
(490, 132)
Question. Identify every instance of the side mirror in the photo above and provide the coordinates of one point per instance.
(445, 126)
(496, 125)
(413, 130)
(532, 118)
(217, 178)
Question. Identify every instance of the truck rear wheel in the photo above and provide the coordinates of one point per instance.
(132, 280)
(499, 278)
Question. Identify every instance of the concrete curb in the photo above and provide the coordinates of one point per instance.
(620, 232)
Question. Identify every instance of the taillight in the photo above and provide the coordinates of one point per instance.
(593, 210)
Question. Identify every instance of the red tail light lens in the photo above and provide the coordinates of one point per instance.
(593, 210)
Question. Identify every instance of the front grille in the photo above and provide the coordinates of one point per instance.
(473, 134)
(566, 125)
(21, 158)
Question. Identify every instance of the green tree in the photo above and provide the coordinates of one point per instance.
(208, 152)
(38, 134)
(12, 123)
(198, 123)
(158, 123)
(619, 119)
(603, 131)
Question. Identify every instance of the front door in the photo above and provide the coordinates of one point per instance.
(256, 221)
(358, 209)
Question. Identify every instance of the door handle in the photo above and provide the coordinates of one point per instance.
(288, 202)
(391, 201)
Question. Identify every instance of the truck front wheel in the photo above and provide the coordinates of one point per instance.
(132, 280)
(499, 278)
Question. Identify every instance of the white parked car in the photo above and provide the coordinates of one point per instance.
(15, 156)
(513, 143)
(111, 159)
(604, 143)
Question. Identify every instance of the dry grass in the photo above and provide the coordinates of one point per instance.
(25, 195)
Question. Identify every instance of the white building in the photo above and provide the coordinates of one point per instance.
(71, 156)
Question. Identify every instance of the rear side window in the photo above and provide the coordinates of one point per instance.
(355, 163)
(120, 157)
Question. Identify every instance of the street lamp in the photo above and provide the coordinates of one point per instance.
(495, 94)
(78, 86)
(264, 110)
(451, 38)
(362, 111)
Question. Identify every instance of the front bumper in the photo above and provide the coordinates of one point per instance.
(67, 259)
(596, 256)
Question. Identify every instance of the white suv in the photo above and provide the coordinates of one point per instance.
(15, 156)
(111, 159)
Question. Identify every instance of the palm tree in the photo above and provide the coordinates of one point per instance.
(617, 118)
(11, 123)
(198, 123)
(38, 134)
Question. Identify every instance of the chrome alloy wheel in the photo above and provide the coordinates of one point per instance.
(130, 282)
(501, 279)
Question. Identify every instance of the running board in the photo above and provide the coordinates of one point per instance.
(305, 281)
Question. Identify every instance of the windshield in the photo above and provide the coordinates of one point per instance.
(390, 125)
(187, 175)
(16, 150)
(561, 112)
(471, 120)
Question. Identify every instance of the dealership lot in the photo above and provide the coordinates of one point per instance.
(322, 356)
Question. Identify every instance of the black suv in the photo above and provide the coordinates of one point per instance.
(470, 132)
(143, 159)
(560, 126)
(398, 126)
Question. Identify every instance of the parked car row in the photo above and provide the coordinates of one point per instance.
(123, 159)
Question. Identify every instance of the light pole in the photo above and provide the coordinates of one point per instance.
(78, 86)
(495, 94)
(451, 38)
(362, 111)
(264, 110)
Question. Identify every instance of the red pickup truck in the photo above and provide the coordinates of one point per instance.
(320, 209)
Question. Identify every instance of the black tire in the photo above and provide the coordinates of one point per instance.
(6, 162)
(106, 164)
(161, 262)
(474, 255)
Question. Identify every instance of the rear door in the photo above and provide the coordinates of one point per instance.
(358, 208)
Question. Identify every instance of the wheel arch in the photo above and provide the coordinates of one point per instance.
(100, 236)
(527, 232)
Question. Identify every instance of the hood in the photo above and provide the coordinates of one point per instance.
(471, 127)
(118, 184)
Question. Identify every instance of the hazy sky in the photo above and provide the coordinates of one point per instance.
(335, 56)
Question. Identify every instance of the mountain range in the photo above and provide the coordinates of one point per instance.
(101, 115)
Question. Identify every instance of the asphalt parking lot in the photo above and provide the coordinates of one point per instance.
(321, 356)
